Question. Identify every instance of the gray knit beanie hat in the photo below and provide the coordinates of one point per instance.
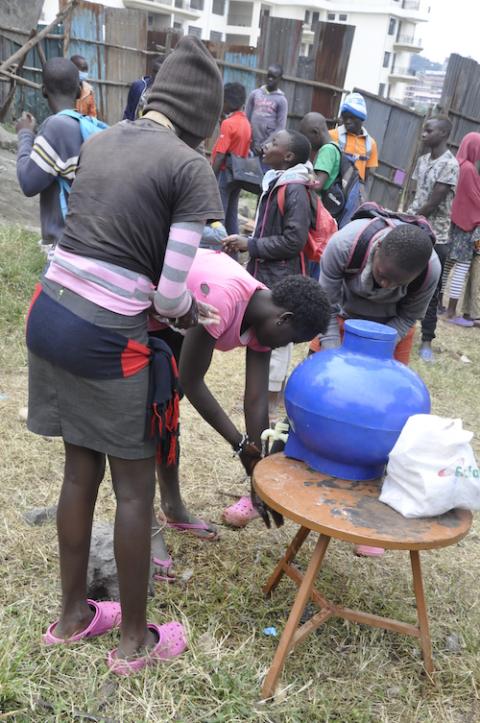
(188, 88)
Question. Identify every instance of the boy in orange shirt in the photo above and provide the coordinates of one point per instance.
(235, 137)
(86, 102)
(353, 139)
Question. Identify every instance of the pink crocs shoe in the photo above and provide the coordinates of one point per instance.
(108, 616)
(172, 641)
(368, 551)
(241, 513)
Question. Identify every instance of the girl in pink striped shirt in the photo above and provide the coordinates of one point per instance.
(136, 213)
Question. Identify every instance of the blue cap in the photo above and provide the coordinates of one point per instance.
(355, 104)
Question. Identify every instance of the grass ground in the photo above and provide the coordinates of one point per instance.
(342, 674)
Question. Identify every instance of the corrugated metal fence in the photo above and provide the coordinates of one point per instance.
(461, 97)
(397, 131)
(117, 47)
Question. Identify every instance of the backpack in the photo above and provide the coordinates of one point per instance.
(89, 126)
(380, 220)
(344, 195)
(321, 230)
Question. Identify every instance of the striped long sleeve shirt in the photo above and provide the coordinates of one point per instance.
(41, 159)
(136, 213)
(125, 291)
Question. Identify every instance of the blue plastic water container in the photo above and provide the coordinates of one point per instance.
(347, 406)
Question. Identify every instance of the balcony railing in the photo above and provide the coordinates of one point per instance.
(404, 72)
(187, 5)
(409, 40)
(165, 7)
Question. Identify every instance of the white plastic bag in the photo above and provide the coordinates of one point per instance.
(432, 468)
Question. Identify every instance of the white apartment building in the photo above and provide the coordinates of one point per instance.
(384, 40)
(427, 91)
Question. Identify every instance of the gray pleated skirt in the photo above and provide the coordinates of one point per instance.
(106, 415)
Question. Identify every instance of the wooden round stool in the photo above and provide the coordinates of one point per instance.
(348, 511)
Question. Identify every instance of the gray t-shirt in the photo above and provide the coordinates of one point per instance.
(267, 113)
(133, 182)
(427, 173)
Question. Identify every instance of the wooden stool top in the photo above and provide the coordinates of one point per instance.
(350, 511)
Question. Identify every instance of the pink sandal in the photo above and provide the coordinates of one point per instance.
(241, 513)
(193, 527)
(108, 615)
(368, 551)
(166, 565)
(172, 641)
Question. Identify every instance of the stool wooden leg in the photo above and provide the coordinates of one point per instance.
(421, 611)
(303, 594)
(289, 555)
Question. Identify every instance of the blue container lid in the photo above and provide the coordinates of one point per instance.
(370, 329)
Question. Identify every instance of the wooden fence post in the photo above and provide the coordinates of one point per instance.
(22, 52)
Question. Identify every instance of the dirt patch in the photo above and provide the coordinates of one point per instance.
(14, 206)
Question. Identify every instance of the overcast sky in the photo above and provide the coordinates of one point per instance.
(452, 28)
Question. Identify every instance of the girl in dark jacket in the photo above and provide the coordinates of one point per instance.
(275, 249)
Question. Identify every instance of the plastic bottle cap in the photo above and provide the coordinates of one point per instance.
(370, 329)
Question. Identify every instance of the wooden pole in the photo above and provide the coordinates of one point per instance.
(260, 71)
(88, 41)
(94, 81)
(21, 52)
(13, 86)
(20, 80)
(41, 55)
(20, 31)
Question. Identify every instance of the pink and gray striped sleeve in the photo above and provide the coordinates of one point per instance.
(172, 299)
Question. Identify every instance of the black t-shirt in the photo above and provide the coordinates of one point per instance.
(134, 181)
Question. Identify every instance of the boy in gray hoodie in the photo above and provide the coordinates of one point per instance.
(381, 290)
(394, 284)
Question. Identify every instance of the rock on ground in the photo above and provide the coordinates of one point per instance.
(15, 208)
(40, 515)
(8, 141)
(102, 581)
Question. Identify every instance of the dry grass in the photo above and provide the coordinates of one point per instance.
(343, 673)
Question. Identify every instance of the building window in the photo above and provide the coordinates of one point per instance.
(218, 7)
(386, 59)
(192, 30)
(307, 17)
(343, 18)
(177, 26)
(215, 36)
(381, 90)
(392, 25)
(196, 4)
(331, 16)
(240, 13)
(237, 39)
(315, 18)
